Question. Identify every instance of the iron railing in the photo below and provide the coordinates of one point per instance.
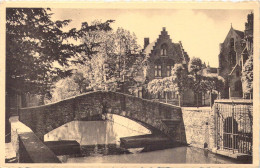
(234, 126)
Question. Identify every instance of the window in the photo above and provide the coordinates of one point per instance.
(232, 43)
(140, 93)
(232, 56)
(163, 52)
(158, 71)
(164, 49)
(169, 70)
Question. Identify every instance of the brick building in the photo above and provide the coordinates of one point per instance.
(162, 55)
(234, 52)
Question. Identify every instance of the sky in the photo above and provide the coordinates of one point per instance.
(200, 31)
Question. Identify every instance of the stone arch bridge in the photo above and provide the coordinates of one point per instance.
(163, 117)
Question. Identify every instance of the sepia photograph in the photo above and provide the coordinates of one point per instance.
(132, 85)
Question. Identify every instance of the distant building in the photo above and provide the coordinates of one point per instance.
(234, 52)
(162, 55)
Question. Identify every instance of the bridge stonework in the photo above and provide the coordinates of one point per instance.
(43, 119)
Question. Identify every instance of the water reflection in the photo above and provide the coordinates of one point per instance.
(99, 141)
(97, 132)
(179, 155)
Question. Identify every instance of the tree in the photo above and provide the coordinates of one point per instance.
(211, 83)
(124, 59)
(64, 88)
(178, 82)
(37, 50)
(182, 79)
(33, 44)
(195, 68)
(109, 60)
(161, 85)
(247, 77)
(114, 62)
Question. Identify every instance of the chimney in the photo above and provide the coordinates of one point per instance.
(146, 42)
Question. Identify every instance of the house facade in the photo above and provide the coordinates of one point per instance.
(234, 52)
(162, 55)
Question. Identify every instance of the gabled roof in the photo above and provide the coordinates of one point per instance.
(177, 46)
(240, 33)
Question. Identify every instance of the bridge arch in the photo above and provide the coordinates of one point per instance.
(43, 119)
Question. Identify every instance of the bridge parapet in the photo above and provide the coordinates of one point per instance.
(43, 119)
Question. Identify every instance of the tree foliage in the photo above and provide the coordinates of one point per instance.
(195, 66)
(115, 61)
(247, 76)
(184, 78)
(33, 43)
(110, 61)
(37, 48)
(162, 85)
(212, 83)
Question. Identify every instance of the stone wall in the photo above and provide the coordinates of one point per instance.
(235, 84)
(43, 119)
(199, 126)
(28, 147)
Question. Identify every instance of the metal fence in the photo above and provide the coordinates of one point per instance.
(234, 125)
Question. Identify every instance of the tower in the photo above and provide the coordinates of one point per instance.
(249, 27)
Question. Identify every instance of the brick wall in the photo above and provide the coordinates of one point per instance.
(43, 119)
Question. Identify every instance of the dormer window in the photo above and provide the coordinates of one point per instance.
(164, 48)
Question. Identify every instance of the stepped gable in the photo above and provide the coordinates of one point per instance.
(178, 52)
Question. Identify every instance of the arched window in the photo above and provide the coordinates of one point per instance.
(164, 48)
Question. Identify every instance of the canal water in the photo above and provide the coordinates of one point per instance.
(100, 143)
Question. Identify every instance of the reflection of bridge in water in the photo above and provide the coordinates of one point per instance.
(161, 118)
